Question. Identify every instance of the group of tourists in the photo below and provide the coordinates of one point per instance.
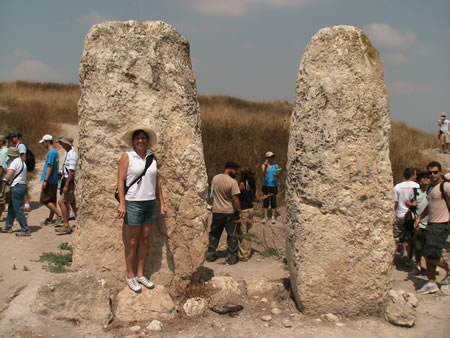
(421, 227)
(444, 132)
(138, 187)
(16, 160)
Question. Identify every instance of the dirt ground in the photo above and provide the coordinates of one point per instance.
(21, 275)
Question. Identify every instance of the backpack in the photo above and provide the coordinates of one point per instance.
(410, 216)
(31, 161)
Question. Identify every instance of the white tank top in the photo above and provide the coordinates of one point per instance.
(145, 190)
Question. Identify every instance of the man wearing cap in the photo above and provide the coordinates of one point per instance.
(15, 140)
(3, 169)
(443, 124)
(49, 181)
(67, 183)
(225, 191)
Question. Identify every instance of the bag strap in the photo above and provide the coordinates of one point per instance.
(444, 196)
(17, 175)
(148, 163)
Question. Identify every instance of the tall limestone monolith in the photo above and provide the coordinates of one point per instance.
(139, 74)
(339, 179)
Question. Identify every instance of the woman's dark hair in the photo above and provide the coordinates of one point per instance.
(137, 132)
(247, 173)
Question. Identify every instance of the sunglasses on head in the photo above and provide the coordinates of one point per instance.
(434, 172)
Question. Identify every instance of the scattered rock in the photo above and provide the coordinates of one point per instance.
(135, 328)
(398, 312)
(195, 306)
(149, 304)
(225, 283)
(331, 317)
(226, 302)
(264, 300)
(140, 74)
(339, 128)
(258, 287)
(287, 323)
(276, 311)
(340, 324)
(266, 318)
(445, 289)
(411, 299)
(155, 325)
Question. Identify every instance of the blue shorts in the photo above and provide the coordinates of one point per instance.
(140, 212)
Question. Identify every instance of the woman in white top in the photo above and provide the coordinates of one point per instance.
(138, 202)
(17, 178)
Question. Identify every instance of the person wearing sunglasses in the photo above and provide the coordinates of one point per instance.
(437, 230)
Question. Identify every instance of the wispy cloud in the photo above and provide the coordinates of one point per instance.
(95, 17)
(424, 51)
(408, 88)
(384, 35)
(242, 7)
(34, 70)
(397, 59)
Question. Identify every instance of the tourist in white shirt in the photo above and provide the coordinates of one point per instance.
(17, 178)
(137, 204)
(402, 192)
(70, 165)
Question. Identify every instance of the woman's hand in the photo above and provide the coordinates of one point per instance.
(122, 210)
(164, 210)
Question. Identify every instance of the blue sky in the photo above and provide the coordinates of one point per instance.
(246, 48)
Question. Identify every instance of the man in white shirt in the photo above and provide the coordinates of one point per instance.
(443, 124)
(70, 165)
(402, 193)
(3, 168)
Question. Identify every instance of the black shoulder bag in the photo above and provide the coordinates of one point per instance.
(148, 163)
(410, 215)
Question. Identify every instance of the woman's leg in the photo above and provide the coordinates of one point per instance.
(131, 249)
(142, 249)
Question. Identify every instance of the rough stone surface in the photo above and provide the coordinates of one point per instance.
(287, 323)
(263, 287)
(224, 283)
(155, 325)
(398, 311)
(411, 299)
(139, 74)
(195, 306)
(69, 298)
(226, 302)
(135, 328)
(266, 318)
(339, 180)
(149, 304)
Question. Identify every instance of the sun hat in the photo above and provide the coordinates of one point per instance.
(151, 135)
(443, 114)
(3, 138)
(46, 137)
(269, 154)
(14, 134)
(65, 139)
(13, 152)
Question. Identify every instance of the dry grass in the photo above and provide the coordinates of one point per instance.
(233, 129)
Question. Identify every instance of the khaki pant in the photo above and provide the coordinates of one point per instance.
(243, 230)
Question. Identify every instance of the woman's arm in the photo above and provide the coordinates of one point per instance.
(159, 193)
(121, 179)
(9, 174)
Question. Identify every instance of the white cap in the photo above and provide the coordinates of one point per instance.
(46, 137)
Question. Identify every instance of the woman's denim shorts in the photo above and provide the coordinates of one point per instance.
(140, 212)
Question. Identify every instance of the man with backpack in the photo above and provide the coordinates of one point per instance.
(3, 170)
(437, 230)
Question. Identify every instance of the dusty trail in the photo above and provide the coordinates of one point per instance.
(17, 289)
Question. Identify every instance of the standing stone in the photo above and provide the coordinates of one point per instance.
(339, 181)
(139, 74)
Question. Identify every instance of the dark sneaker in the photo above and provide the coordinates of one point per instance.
(417, 271)
(23, 233)
(211, 256)
(58, 222)
(47, 222)
(231, 261)
(63, 231)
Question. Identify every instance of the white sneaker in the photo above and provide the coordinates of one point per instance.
(144, 281)
(274, 220)
(264, 220)
(428, 288)
(133, 284)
